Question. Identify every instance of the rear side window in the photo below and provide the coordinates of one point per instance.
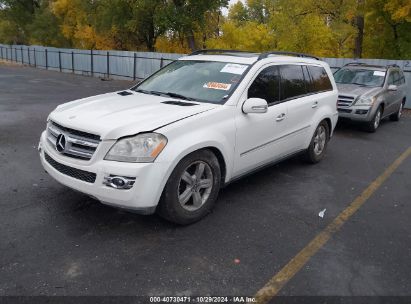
(293, 83)
(402, 77)
(320, 81)
(399, 78)
(266, 85)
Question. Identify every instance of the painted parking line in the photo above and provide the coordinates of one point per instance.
(277, 282)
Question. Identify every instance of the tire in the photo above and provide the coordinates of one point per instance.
(396, 116)
(318, 144)
(373, 125)
(186, 197)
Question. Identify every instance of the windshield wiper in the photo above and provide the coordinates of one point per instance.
(149, 92)
(171, 94)
(176, 95)
(360, 84)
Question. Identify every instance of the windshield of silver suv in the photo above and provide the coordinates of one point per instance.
(358, 76)
(203, 81)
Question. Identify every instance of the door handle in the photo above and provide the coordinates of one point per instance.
(280, 117)
(315, 104)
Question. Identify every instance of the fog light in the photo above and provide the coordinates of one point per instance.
(361, 112)
(119, 182)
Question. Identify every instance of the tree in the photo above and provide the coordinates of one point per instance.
(16, 15)
(388, 31)
(44, 28)
(112, 21)
(238, 13)
(359, 23)
(188, 16)
(338, 28)
(148, 21)
(76, 18)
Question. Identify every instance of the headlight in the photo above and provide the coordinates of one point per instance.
(143, 148)
(365, 101)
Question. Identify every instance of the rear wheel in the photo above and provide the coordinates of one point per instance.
(397, 116)
(318, 145)
(373, 125)
(192, 189)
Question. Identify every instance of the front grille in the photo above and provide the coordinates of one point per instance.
(85, 176)
(78, 144)
(345, 101)
(344, 110)
(76, 132)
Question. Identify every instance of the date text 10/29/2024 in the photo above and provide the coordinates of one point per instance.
(205, 299)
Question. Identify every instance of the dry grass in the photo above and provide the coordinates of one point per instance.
(406, 113)
(8, 63)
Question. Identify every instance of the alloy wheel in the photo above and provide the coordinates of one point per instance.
(400, 111)
(195, 185)
(377, 119)
(320, 139)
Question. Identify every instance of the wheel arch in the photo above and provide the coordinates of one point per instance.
(329, 124)
(221, 161)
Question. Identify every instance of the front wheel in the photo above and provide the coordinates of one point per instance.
(192, 189)
(373, 125)
(318, 145)
(396, 116)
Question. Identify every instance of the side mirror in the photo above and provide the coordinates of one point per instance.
(392, 87)
(255, 105)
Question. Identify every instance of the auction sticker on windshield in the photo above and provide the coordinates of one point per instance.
(217, 86)
(233, 68)
(379, 73)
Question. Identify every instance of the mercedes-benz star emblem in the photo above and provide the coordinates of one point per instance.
(61, 143)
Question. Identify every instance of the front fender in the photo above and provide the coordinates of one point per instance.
(181, 146)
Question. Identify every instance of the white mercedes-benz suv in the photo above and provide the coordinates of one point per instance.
(171, 142)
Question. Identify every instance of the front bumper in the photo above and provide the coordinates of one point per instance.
(143, 196)
(356, 113)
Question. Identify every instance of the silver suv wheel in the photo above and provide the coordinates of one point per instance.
(320, 139)
(318, 144)
(400, 110)
(377, 119)
(192, 188)
(195, 185)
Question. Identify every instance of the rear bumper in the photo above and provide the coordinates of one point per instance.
(143, 197)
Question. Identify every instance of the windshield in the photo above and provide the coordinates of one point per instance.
(364, 77)
(206, 81)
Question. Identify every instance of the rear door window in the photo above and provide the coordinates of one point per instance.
(320, 80)
(293, 83)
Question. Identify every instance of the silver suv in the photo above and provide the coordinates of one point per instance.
(369, 93)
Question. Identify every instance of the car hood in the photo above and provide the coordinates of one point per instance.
(357, 90)
(112, 116)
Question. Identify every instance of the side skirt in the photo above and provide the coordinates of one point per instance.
(262, 167)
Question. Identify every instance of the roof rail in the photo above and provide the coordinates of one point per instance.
(265, 55)
(356, 63)
(260, 56)
(206, 51)
(394, 65)
(370, 65)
